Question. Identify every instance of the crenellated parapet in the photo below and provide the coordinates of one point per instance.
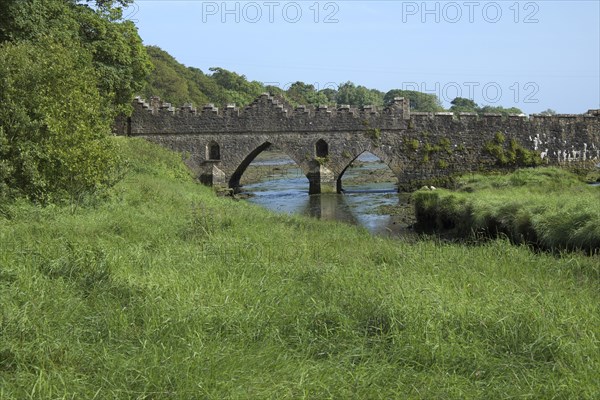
(265, 114)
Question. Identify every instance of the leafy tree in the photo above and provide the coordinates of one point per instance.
(178, 84)
(237, 88)
(300, 93)
(548, 111)
(499, 110)
(275, 90)
(119, 58)
(460, 104)
(349, 93)
(53, 126)
(203, 89)
(422, 102)
(330, 94)
(168, 80)
(67, 68)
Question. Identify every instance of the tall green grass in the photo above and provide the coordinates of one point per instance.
(165, 291)
(547, 207)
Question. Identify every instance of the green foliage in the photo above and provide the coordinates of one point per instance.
(300, 93)
(66, 70)
(237, 88)
(144, 158)
(322, 160)
(373, 134)
(330, 94)
(413, 144)
(460, 104)
(499, 110)
(522, 157)
(178, 84)
(445, 145)
(515, 156)
(166, 291)
(587, 170)
(349, 93)
(174, 82)
(119, 57)
(495, 148)
(53, 122)
(6, 167)
(421, 102)
(117, 54)
(35, 19)
(428, 148)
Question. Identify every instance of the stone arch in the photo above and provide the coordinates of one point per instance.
(321, 149)
(213, 151)
(387, 160)
(234, 180)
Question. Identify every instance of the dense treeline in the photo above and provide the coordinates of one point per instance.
(179, 84)
(461, 104)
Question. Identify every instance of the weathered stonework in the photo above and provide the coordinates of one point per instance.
(219, 144)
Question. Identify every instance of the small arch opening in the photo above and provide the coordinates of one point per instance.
(321, 148)
(368, 173)
(213, 151)
(268, 170)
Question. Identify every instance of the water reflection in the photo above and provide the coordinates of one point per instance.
(285, 190)
(330, 207)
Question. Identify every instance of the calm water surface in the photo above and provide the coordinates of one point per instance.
(285, 190)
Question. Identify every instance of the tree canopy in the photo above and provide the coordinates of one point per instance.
(461, 104)
(67, 68)
(423, 102)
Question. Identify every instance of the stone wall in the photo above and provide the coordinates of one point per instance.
(416, 146)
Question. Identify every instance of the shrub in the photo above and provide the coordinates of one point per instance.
(515, 155)
(53, 128)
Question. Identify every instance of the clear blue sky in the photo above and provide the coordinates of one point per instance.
(530, 54)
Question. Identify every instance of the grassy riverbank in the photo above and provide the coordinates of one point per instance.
(165, 291)
(547, 207)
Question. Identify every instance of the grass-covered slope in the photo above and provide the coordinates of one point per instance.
(548, 207)
(165, 291)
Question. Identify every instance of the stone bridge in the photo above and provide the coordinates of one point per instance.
(219, 144)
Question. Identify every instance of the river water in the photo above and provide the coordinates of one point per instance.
(283, 188)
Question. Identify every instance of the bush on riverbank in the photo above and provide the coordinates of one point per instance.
(547, 207)
(165, 291)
